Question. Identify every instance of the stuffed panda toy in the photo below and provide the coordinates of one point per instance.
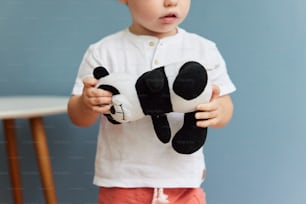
(177, 87)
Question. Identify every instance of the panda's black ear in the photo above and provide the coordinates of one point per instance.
(100, 72)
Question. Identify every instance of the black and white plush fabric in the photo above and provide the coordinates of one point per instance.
(177, 87)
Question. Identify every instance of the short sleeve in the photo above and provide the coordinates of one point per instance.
(217, 72)
(89, 62)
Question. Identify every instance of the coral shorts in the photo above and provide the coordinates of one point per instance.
(148, 196)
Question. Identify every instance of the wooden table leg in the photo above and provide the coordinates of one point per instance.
(44, 163)
(12, 153)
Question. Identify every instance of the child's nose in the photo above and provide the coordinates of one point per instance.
(169, 3)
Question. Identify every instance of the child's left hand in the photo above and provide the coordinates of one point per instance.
(217, 113)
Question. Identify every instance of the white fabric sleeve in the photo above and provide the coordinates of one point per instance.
(89, 62)
(218, 74)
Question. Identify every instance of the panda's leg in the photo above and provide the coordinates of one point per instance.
(190, 81)
(161, 127)
(189, 138)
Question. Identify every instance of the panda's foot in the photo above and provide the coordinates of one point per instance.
(161, 127)
(189, 138)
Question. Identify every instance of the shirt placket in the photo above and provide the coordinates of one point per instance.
(157, 55)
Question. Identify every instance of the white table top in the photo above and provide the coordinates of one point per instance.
(14, 107)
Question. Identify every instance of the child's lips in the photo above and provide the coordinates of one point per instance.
(169, 18)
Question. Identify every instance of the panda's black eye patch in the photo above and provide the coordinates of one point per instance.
(112, 110)
(109, 88)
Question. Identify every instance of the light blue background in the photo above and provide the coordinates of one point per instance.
(260, 157)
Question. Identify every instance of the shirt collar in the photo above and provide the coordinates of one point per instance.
(140, 39)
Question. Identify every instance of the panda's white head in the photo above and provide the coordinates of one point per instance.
(125, 105)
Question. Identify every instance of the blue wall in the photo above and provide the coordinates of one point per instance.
(260, 157)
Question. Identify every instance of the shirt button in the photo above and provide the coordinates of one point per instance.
(156, 62)
(151, 43)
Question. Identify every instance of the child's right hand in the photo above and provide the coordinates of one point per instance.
(97, 100)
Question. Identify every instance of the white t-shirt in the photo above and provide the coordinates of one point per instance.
(130, 154)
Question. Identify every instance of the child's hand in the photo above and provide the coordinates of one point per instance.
(97, 100)
(217, 113)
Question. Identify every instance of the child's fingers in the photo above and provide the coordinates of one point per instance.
(205, 115)
(96, 93)
(90, 82)
(207, 123)
(207, 107)
(98, 99)
(101, 109)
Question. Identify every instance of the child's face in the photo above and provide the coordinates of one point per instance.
(158, 18)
